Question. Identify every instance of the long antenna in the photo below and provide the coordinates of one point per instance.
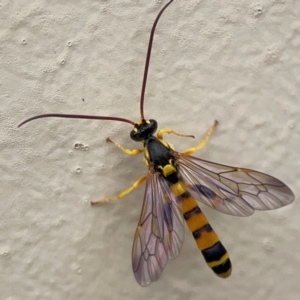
(76, 117)
(142, 93)
(148, 59)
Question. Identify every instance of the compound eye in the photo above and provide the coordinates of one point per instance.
(153, 125)
(135, 135)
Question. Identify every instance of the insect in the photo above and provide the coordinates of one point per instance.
(173, 181)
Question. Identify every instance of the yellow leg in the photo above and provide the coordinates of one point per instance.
(204, 142)
(167, 130)
(127, 151)
(134, 186)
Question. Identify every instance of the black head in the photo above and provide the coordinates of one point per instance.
(143, 129)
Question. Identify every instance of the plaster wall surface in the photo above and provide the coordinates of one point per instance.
(234, 61)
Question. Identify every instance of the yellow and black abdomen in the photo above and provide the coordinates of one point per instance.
(206, 239)
(159, 154)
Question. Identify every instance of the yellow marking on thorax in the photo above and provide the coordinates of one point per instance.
(168, 146)
(146, 162)
(146, 155)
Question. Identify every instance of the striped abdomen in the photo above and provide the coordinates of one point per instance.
(206, 239)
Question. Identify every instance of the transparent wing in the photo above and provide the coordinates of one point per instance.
(160, 232)
(231, 190)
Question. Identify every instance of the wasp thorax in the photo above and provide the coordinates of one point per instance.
(143, 129)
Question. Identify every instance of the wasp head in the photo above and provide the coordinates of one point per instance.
(143, 129)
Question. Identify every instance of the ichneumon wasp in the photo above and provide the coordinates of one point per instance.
(173, 181)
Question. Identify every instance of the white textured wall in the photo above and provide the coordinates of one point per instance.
(234, 61)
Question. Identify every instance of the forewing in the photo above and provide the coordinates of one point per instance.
(231, 190)
(160, 232)
(174, 222)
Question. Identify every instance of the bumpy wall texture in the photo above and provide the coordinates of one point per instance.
(234, 61)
